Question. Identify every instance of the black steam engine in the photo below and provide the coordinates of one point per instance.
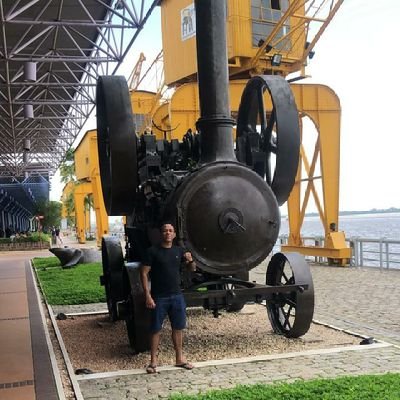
(224, 201)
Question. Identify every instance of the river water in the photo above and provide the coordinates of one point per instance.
(363, 226)
(375, 226)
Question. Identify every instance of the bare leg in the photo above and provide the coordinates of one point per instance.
(177, 339)
(154, 342)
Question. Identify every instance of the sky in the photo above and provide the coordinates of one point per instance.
(358, 57)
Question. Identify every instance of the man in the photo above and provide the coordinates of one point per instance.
(164, 262)
(58, 237)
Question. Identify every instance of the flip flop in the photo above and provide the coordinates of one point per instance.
(151, 369)
(185, 365)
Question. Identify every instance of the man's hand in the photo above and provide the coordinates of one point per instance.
(191, 265)
(188, 257)
(150, 303)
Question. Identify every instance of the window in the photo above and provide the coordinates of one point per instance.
(138, 120)
(265, 14)
(275, 4)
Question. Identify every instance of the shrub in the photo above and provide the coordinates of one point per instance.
(33, 237)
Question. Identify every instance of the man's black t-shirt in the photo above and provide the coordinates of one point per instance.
(165, 270)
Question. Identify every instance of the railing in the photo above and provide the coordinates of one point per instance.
(382, 253)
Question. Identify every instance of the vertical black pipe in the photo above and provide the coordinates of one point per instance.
(215, 123)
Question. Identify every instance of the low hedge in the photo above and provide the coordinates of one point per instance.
(33, 237)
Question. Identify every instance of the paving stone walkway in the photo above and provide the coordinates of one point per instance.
(361, 300)
(163, 384)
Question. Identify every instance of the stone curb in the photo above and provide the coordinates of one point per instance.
(232, 361)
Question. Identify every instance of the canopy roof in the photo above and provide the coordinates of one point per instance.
(51, 54)
(67, 45)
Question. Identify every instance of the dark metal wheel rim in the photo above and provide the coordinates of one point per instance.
(236, 306)
(130, 324)
(185, 199)
(113, 264)
(138, 324)
(284, 116)
(290, 314)
(116, 140)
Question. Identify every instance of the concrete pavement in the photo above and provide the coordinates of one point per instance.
(362, 300)
(25, 365)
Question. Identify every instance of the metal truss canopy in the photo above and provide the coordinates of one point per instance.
(70, 43)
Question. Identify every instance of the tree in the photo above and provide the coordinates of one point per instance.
(88, 204)
(67, 167)
(51, 211)
(67, 174)
(69, 204)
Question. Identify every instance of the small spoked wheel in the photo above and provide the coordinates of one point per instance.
(291, 312)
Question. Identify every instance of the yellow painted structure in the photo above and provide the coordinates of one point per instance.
(256, 31)
(82, 190)
(321, 105)
(89, 183)
(67, 190)
(161, 119)
(143, 102)
(255, 34)
(144, 105)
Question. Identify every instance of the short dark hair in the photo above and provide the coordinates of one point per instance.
(166, 223)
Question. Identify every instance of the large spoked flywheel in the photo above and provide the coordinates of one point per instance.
(112, 279)
(263, 132)
(116, 142)
(290, 313)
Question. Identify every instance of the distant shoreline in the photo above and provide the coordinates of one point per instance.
(387, 211)
(373, 211)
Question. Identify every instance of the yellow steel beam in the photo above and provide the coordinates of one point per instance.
(342, 255)
(322, 106)
(295, 221)
(99, 208)
(322, 28)
(310, 179)
(87, 170)
(82, 189)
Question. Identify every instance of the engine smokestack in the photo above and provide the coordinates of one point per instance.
(215, 123)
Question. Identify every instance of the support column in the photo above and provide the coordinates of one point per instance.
(2, 220)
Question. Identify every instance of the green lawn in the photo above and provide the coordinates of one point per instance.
(46, 262)
(78, 285)
(367, 387)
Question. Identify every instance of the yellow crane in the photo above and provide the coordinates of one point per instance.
(264, 37)
(134, 77)
(267, 37)
(88, 184)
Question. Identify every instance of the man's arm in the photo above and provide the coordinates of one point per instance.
(144, 271)
(189, 262)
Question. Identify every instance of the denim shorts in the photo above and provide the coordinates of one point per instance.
(174, 306)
